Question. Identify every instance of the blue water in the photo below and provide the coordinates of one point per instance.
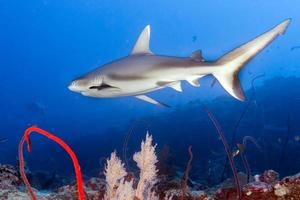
(45, 44)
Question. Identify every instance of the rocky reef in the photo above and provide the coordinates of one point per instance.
(264, 186)
(146, 182)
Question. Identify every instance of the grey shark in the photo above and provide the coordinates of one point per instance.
(143, 71)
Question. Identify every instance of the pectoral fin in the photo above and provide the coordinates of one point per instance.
(150, 100)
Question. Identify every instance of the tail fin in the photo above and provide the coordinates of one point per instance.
(231, 63)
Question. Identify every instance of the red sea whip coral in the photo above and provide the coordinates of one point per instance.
(25, 138)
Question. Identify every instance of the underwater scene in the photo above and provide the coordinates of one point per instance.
(92, 107)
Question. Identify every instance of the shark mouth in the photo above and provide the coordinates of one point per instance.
(103, 86)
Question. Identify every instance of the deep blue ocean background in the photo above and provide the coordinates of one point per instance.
(45, 44)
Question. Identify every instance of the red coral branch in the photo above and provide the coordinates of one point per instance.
(52, 137)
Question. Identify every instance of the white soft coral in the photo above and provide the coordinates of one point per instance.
(146, 160)
(119, 189)
(114, 174)
(125, 191)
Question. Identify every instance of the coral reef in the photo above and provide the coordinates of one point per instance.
(9, 177)
(263, 187)
(145, 184)
(10, 184)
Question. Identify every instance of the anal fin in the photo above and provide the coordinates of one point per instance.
(150, 100)
(193, 81)
(176, 86)
(213, 82)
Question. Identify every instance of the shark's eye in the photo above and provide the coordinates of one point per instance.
(102, 86)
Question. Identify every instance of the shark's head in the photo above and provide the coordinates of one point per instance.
(85, 83)
(93, 86)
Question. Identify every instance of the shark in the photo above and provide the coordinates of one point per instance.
(143, 71)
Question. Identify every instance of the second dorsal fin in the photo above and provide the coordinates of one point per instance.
(142, 44)
(197, 56)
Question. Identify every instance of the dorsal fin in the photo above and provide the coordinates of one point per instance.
(197, 56)
(142, 44)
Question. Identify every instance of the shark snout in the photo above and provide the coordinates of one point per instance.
(83, 85)
(75, 86)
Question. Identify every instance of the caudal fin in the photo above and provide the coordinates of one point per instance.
(231, 63)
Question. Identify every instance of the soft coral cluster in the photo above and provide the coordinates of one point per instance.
(114, 173)
(146, 160)
(119, 188)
